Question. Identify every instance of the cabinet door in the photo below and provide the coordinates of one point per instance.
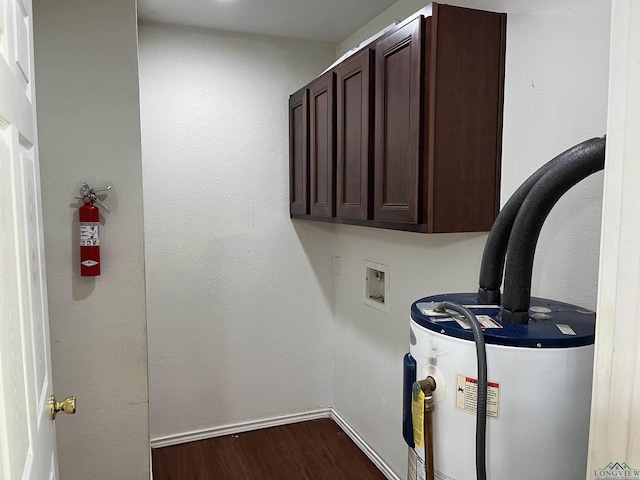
(354, 164)
(322, 145)
(398, 127)
(298, 153)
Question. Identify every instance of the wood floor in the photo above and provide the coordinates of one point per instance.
(314, 450)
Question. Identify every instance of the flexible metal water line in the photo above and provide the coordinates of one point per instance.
(428, 385)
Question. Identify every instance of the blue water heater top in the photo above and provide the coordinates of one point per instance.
(552, 324)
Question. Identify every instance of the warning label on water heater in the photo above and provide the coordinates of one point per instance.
(467, 396)
(416, 466)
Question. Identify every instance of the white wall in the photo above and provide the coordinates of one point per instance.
(239, 297)
(89, 130)
(555, 96)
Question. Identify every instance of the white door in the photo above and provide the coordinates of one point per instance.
(27, 438)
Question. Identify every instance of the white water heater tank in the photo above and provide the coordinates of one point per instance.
(539, 390)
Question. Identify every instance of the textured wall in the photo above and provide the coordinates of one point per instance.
(555, 96)
(239, 297)
(89, 130)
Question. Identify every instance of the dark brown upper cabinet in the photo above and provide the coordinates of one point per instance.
(439, 83)
(322, 146)
(399, 93)
(354, 186)
(419, 128)
(298, 153)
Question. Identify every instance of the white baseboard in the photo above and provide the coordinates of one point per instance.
(233, 429)
(364, 446)
(170, 440)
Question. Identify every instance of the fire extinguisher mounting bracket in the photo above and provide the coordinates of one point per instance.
(89, 194)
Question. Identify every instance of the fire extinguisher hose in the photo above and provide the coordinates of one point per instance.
(481, 409)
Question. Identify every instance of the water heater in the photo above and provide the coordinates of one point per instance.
(498, 386)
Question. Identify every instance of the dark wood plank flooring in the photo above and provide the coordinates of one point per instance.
(313, 450)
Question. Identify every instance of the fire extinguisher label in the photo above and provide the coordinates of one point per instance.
(89, 234)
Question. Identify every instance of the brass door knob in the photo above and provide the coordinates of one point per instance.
(68, 405)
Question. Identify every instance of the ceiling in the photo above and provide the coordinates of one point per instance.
(318, 20)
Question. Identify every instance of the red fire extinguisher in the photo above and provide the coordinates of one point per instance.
(89, 216)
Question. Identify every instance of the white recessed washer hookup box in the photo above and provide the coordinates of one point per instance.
(376, 286)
